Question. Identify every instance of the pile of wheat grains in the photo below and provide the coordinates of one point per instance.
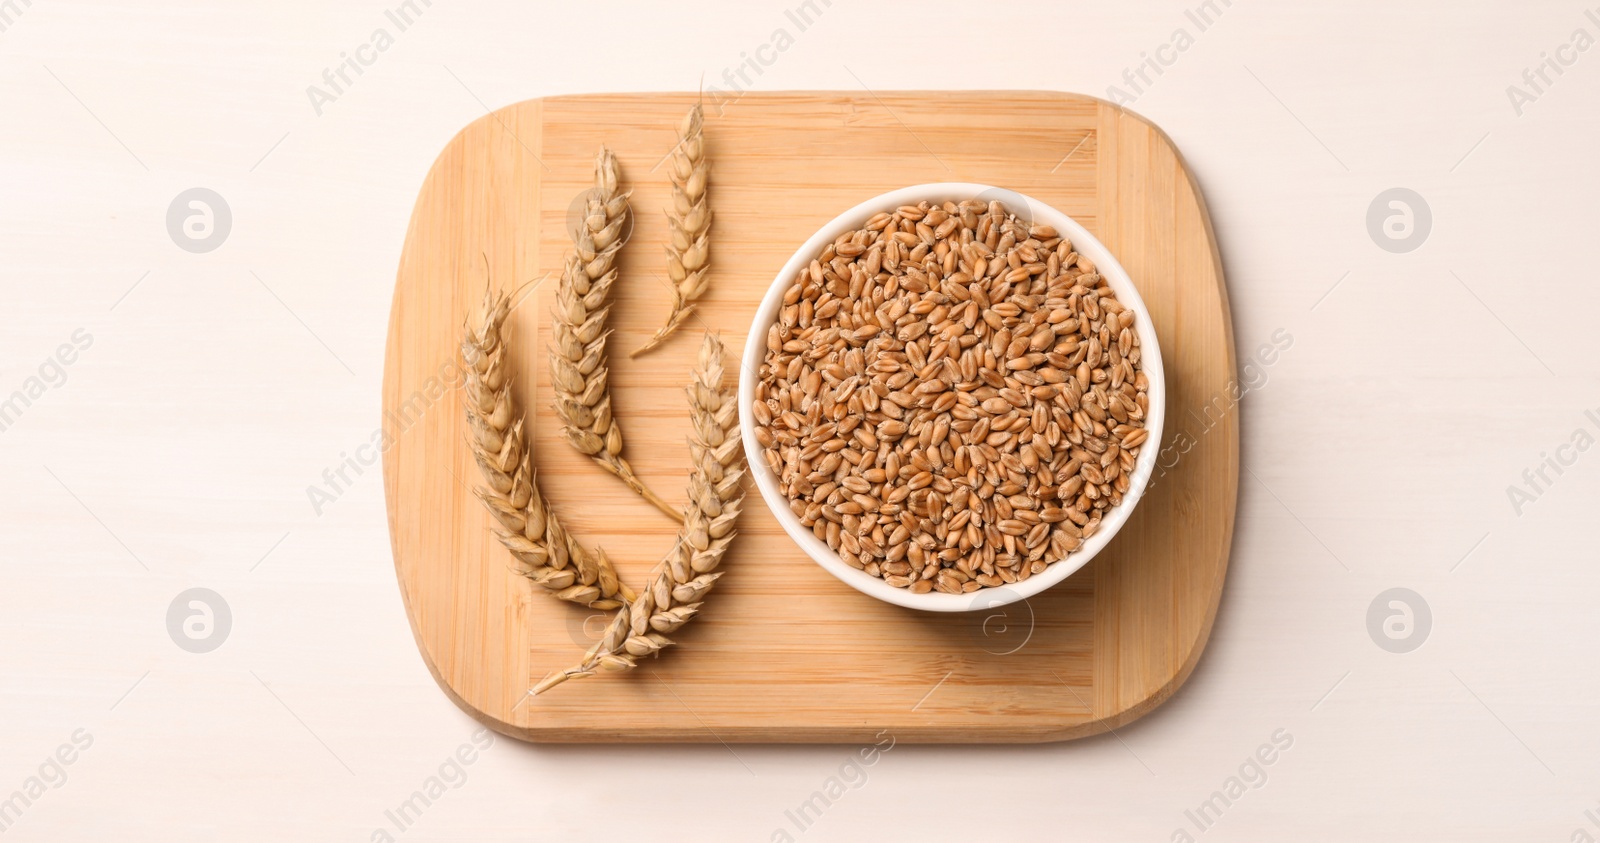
(951, 398)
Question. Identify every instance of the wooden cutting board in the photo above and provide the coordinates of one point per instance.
(783, 651)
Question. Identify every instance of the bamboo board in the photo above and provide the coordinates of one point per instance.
(784, 652)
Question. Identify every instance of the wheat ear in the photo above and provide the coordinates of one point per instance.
(545, 552)
(679, 582)
(578, 367)
(689, 224)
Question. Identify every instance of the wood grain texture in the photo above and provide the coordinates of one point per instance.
(784, 651)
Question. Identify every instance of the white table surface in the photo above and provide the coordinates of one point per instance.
(217, 387)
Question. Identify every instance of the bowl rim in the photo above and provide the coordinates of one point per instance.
(1084, 243)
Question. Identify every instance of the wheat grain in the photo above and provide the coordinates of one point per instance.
(545, 552)
(951, 398)
(680, 582)
(578, 365)
(689, 225)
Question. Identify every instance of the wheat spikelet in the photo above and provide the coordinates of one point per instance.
(545, 552)
(680, 581)
(689, 221)
(578, 367)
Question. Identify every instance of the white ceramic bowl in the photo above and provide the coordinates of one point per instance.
(756, 348)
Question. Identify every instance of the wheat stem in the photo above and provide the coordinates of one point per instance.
(578, 365)
(545, 552)
(680, 582)
(689, 226)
